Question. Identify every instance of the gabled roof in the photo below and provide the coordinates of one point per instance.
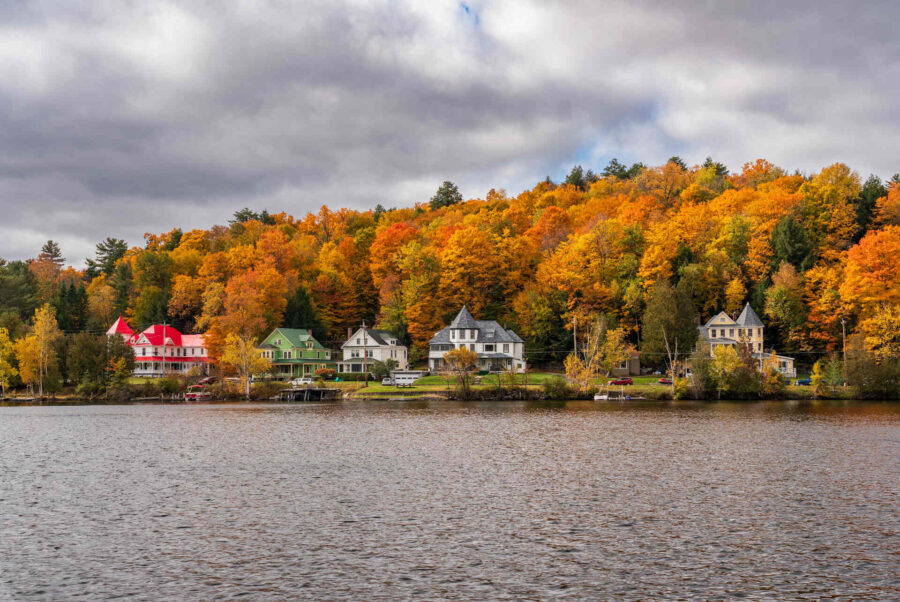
(120, 327)
(489, 331)
(155, 333)
(463, 319)
(748, 317)
(381, 337)
(298, 337)
(716, 317)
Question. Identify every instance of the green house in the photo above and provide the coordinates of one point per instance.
(295, 352)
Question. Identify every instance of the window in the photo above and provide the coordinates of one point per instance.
(288, 355)
(623, 365)
(358, 341)
(505, 347)
(309, 344)
(369, 353)
(276, 342)
(488, 348)
(712, 333)
(759, 332)
(472, 346)
(731, 333)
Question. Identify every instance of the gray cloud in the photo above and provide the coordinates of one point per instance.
(118, 119)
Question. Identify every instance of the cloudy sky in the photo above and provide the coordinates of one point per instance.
(119, 118)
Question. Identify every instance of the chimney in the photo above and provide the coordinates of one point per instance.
(349, 332)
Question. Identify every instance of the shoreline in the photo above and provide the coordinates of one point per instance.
(431, 396)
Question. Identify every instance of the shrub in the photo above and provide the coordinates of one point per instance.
(265, 390)
(870, 378)
(226, 389)
(326, 373)
(172, 385)
(682, 388)
(557, 389)
(89, 388)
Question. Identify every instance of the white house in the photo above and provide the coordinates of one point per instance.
(373, 345)
(722, 331)
(498, 349)
(162, 349)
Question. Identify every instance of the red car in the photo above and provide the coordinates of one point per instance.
(625, 380)
(665, 381)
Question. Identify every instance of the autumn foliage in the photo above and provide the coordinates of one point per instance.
(805, 251)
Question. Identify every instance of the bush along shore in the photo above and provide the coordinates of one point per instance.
(864, 378)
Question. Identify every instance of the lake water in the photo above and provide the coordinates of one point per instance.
(443, 500)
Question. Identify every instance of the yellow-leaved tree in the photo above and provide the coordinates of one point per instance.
(241, 354)
(7, 370)
(598, 354)
(38, 347)
(27, 357)
(461, 363)
(882, 332)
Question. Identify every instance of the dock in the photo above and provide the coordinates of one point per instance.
(309, 394)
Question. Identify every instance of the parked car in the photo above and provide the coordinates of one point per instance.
(625, 380)
(665, 381)
(803, 382)
(197, 393)
(387, 382)
(299, 382)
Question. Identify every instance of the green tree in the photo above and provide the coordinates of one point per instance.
(617, 169)
(70, 303)
(383, 369)
(86, 358)
(109, 251)
(448, 194)
(670, 311)
(50, 251)
(871, 191)
(581, 179)
(791, 243)
(719, 168)
(18, 290)
(301, 312)
(678, 161)
(122, 282)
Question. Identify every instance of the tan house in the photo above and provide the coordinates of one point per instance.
(630, 367)
(721, 331)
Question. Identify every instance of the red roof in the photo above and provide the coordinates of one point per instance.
(154, 334)
(119, 327)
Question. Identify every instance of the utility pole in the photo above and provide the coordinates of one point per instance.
(365, 354)
(164, 349)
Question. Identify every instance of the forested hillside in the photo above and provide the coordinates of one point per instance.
(638, 245)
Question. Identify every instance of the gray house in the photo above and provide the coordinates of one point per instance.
(498, 348)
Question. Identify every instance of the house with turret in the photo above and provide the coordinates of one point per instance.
(722, 331)
(499, 349)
